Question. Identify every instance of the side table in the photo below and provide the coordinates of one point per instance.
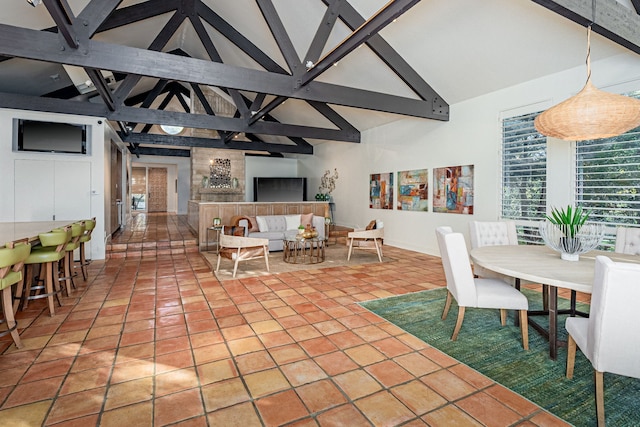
(216, 242)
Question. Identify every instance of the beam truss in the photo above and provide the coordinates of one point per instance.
(251, 116)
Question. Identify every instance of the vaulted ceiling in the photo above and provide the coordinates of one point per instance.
(279, 76)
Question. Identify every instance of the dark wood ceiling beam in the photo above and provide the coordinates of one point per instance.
(102, 87)
(332, 115)
(172, 118)
(240, 41)
(32, 44)
(323, 32)
(186, 141)
(274, 103)
(612, 19)
(163, 37)
(95, 14)
(137, 12)
(372, 26)
(257, 102)
(352, 19)
(64, 19)
(215, 56)
(155, 151)
(636, 5)
(279, 34)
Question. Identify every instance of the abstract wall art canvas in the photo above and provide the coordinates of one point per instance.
(453, 189)
(413, 190)
(381, 191)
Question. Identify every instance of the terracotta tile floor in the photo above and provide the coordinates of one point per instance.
(157, 340)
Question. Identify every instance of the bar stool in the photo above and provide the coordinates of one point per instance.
(12, 259)
(77, 230)
(89, 225)
(48, 256)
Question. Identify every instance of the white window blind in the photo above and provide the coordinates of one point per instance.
(524, 175)
(608, 180)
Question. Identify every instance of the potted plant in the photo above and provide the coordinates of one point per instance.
(569, 221)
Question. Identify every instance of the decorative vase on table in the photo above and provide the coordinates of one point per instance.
(571, 243)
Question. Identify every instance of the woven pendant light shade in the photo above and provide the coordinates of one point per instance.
(591, 114)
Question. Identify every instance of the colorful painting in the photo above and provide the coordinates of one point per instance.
(453, 189)
(381, 191)
(413, 190)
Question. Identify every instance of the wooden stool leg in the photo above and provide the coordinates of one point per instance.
(7, 306)
(83, 262)
(48, 283)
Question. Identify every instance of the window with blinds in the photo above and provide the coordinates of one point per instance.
(608, 179)
(524, 175)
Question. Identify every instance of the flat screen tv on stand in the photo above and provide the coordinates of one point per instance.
(269, 189)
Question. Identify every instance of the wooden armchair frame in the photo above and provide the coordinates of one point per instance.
(238, 249)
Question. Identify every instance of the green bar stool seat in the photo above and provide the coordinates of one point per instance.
(12, 259)
(48, 256)
(89, 225)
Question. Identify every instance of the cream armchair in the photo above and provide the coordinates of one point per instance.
(238, 249)
(367, 239)
(628, 240)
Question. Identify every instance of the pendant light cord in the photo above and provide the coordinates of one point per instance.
(593, 19)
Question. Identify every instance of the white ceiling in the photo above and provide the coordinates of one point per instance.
(462, 48)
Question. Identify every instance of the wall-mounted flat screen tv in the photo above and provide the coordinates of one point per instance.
(50, 137)
(279, 189)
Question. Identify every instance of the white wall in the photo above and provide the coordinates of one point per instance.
(263, 166)
(472, 136)
(98, 157)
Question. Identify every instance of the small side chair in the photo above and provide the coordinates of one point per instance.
(370, 238)
(237, 248)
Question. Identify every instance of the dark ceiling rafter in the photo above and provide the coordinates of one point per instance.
(612, 19)
(322, 33)
(352, 19)
(636, 5)
(364, 32)
(64, 19)
(163, 37)
(187, 141)
(359, 36)
(94, 14)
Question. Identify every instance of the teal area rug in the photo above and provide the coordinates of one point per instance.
(497, 352)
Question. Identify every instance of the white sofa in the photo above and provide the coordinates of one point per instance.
(275, 227)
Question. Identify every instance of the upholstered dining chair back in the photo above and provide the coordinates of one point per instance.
(457, 270)
(472, 292)
(492, 233)
(628, 240)
(607, 338)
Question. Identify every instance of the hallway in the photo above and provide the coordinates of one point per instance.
(154, 339)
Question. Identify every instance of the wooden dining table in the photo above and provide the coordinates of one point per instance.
(540, 264)
(14, 231)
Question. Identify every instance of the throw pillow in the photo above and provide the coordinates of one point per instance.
(262, 224)
(371, 225)
(233, 230)
(306, 219)
(253, 224)
(293, 221)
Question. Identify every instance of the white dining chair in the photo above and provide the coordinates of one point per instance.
(628, 240)
(476, 292)
(492, 233)
(608, 338)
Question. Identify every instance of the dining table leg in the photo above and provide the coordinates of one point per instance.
(553, 322)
